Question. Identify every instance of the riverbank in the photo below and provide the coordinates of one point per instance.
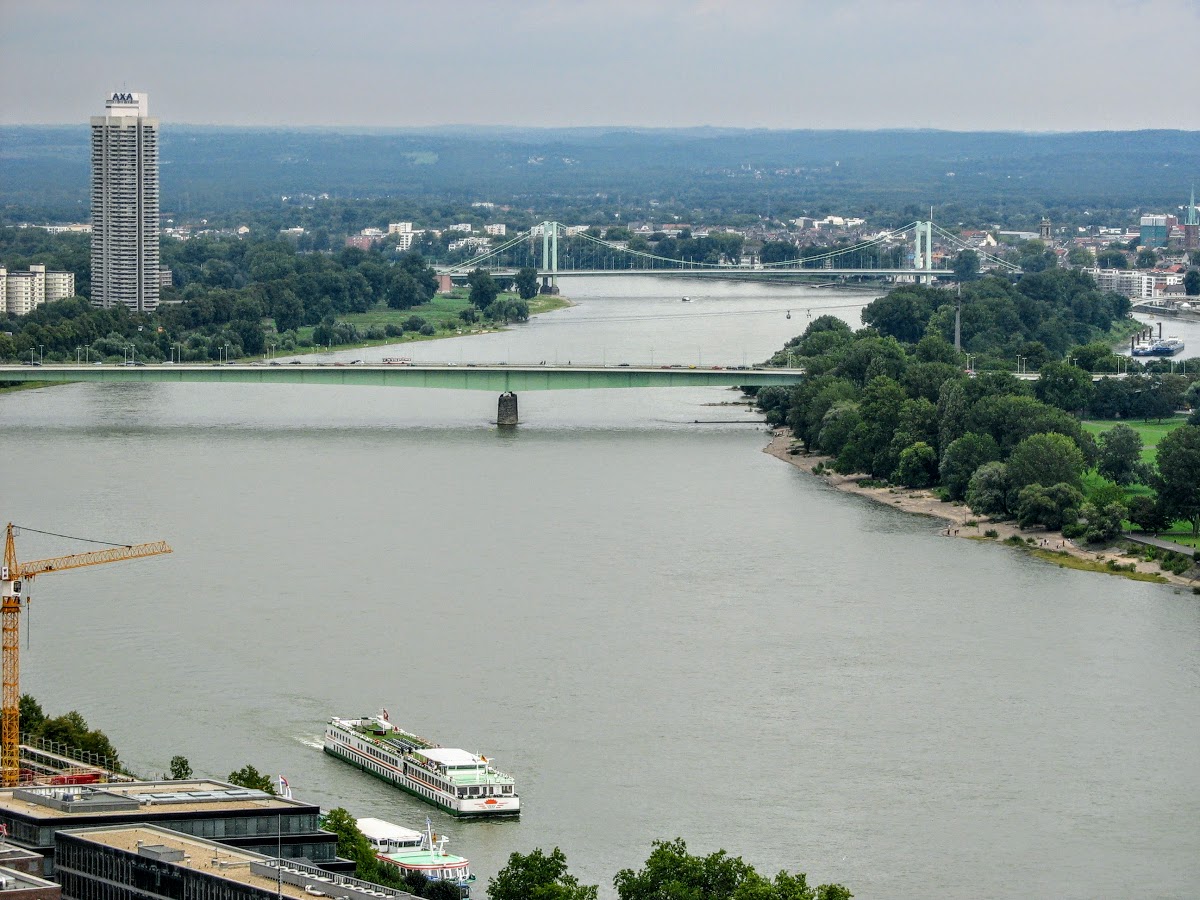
(1050, 546)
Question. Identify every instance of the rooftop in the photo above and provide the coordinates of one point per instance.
(136, 799)
(15, 880)
(292, 879)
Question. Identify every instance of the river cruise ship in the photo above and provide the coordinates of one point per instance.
(459, 782)
(421, 852)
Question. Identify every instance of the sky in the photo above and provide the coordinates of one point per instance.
(1029, 65)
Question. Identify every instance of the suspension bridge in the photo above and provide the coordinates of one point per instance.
(902, 254)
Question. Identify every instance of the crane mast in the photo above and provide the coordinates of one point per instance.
(13, 576)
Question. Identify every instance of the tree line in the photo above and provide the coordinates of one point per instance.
(892, 401)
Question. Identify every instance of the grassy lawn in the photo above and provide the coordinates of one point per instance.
(1151, 432)
(441, 312)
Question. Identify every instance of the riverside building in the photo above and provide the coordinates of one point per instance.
(145, 862)
(236, 817)
(125, 204)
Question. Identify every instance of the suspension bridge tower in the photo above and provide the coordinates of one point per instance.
(549, 257)
(923, 251)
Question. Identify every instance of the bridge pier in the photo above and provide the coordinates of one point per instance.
(506, 410)
(548, 287)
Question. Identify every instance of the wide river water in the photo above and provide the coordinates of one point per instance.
(657, 628)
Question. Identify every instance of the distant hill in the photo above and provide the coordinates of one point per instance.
(1010, 177)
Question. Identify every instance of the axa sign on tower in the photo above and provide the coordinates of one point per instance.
(125, 204)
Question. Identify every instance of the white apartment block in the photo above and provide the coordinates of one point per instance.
(498, 230)
(1135, 285)
(462, 226)
(400, 228)
(23, 292)
(125, 204)
(405, 240)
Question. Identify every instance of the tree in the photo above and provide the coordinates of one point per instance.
(536, 876)
(32, 716)
(404, 292)
(962, 457)
(483, 288)
(250, 777)
(987, 491)
(1179, 474)
(1067, 387)
(527, 283)
(1052, 507)
(1191, 283)
(1081, 256)
(352, 843)
(181, 769)
(1045, 459)
(1112, 259)
(671, 873)
(1120, 454)
(1146, 258)
(917, 467)
(1147, 513)
(966, 266)
(1103, 522)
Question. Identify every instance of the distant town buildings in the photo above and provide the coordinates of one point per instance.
(497, 230)
(125, 204)
(23, 292)
(1136, 285)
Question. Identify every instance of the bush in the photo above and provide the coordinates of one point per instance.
(428, 330)
(1074, 530)
(992, 533)
(376, 333)
(392, 330)
(413, 323)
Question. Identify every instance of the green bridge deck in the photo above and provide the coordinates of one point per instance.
(449, 376)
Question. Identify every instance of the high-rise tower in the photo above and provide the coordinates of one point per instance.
(1191, 226)
(125, 204)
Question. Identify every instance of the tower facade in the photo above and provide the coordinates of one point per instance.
(125, 204)
(1191, 226)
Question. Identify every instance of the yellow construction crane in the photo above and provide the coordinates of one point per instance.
(13, 575)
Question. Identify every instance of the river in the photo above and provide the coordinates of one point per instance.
(658, 629)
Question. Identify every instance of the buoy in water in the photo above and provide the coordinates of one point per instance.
(789, 315)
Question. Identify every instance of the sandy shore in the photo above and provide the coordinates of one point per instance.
(957, 516)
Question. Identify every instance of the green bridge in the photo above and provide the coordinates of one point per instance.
(506, 379)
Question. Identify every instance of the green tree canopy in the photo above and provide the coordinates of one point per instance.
(249, 777)
(1179, 474)
(1045, 458)
(1120, 454)
(527, 282)
(962, 457)
(538, 876)
(671, 873)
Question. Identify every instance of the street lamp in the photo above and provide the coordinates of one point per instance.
(1020, 366)
(78, 351)
(40, 360)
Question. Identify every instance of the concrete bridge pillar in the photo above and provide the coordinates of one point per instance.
(506, 409)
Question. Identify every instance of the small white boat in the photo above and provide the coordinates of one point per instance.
(687, 300)
(421, 852)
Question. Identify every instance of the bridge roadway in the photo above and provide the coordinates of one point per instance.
(455, 376)
(722, 272)
(507, 379)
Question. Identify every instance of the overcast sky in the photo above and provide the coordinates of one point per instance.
(1050, 65)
